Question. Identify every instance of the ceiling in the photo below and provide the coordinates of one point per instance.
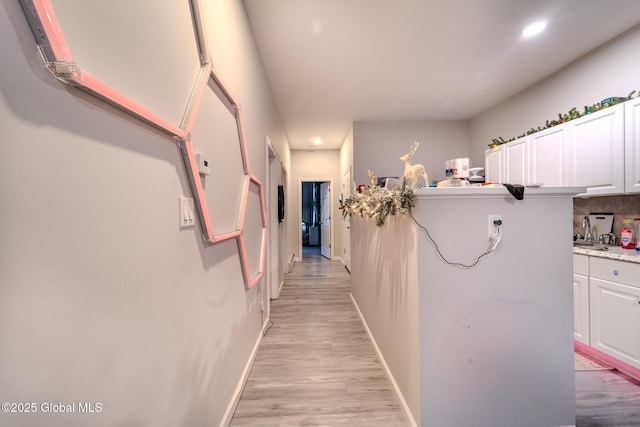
(333, 62)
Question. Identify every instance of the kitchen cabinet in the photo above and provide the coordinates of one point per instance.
(632, 145)
(597, 151)
(494, 164)
(516, 157)
(615, 309)
(548, 164)
(581, 330)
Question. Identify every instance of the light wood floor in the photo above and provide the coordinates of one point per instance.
(316, 367)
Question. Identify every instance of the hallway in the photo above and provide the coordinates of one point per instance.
(316, 365)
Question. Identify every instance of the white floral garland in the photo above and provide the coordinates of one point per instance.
(379, 202)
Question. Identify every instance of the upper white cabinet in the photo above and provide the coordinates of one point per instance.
(516, 157)
(632, 145)
(597, 156)
(494, 164)
(548, 157)
(508, 162)
(599, 151)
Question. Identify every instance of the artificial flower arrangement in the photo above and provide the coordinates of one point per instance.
(379, 202)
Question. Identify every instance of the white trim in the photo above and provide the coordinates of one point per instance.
(231, 409)
(331, 227)
(387, 371)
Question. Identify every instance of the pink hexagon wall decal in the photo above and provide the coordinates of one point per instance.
(94, 59)
(200, 92)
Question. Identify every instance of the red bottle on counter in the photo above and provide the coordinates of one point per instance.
(627, 236)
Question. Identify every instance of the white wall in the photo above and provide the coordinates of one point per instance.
(379, 145)
(611, 70)
(102, 297)
(385, 288)
(320, 165)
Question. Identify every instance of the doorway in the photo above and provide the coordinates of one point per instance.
(315, 218)
(276, 247)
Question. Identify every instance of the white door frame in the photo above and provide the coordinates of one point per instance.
(271, 282)
(325, 231)
(320, 179)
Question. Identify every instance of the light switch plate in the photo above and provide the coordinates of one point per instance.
(187, 216)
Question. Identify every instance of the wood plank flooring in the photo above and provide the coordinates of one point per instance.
(316, 367)
(607, 398)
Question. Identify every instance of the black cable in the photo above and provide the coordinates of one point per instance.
(454, 264)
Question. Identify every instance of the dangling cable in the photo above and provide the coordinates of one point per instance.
(494, 240)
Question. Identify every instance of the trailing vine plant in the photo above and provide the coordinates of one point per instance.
(570, 115)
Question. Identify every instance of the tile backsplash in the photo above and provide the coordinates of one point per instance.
(623, 207)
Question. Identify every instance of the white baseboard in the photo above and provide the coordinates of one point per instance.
(231, 409)
(394, 384)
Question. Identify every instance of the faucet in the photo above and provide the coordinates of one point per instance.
(588, 237)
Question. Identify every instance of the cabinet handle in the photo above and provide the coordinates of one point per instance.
(616, 272)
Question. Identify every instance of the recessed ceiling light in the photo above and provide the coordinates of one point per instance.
(316, 141)
(534, 29)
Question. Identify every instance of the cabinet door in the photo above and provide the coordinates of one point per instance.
(597, 151)
(615, 320)
(494, 164)
(516, 159)
(632, 145)
(581, 308)
(548, 157)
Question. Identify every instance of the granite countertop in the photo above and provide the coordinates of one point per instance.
(613, 252)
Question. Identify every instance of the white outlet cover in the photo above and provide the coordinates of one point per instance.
(490, 225)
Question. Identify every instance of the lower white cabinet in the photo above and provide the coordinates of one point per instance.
(581, 298)
(581, 308)
(615, 309)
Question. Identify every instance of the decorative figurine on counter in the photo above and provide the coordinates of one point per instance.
(413, 172)
(372, 177)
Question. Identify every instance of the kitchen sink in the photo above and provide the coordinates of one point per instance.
(590, 245)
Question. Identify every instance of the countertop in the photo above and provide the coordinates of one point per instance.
(613, 252)
(498, 191)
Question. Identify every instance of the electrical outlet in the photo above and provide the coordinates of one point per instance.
(494, 225)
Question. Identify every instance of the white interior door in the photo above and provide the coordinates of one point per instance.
(325, 219)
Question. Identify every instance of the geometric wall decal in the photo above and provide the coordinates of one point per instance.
(124, 68)
(215, 134)
(219, 130)
(114, 63)
(253, 239)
